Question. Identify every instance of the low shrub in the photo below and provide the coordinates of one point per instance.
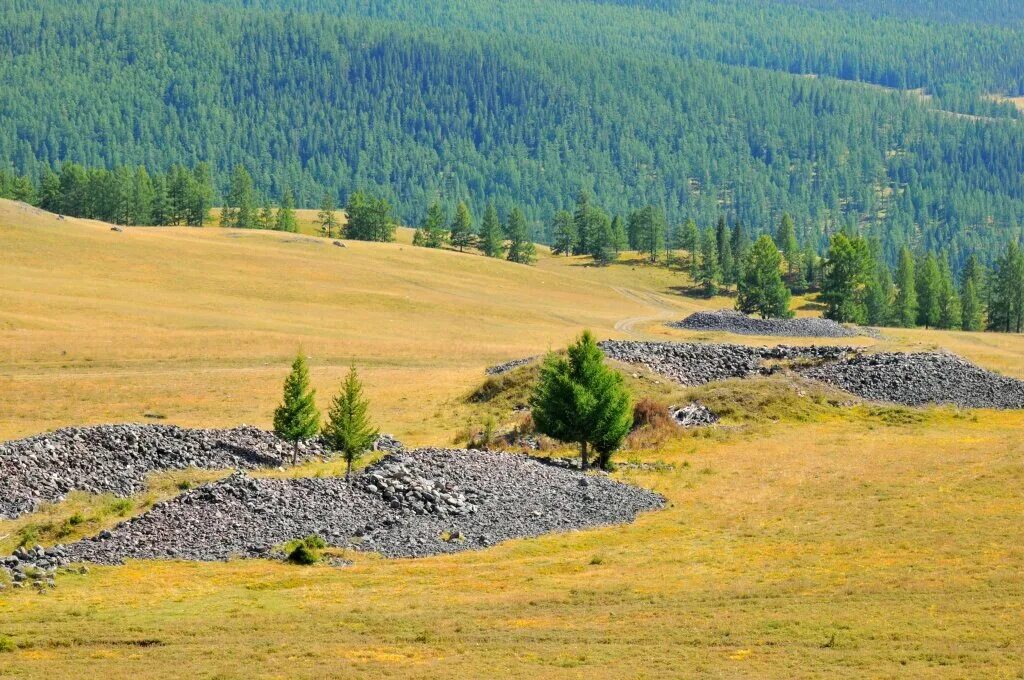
(307, 551)
(650, 413)
(7, 645)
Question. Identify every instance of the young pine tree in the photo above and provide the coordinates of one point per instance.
(949, 300)
(520, 247)
(566, 238)
(286, 213)
(879, 296)
(928, 291)
(328, 216)
(297, 418)
(266, 217)
(580, 400)
(723, 245)
(761, 288)
(709, 274)
(492, 240)
(785, 239)
(847, 271)
(348, 430)
(434, 227)
(905, 307)
(462, 235)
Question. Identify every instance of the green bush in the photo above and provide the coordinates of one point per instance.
(7, 644)
(303, 555)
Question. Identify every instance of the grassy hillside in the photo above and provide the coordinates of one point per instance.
(803, 539)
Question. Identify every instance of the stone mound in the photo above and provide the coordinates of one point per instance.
(411, 504)
(911, 379)
(731, 321)
(509, 366)
(693, 415)
(698, 363)
(117, 459)
(921, 378)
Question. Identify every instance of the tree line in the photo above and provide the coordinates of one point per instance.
(450, 103)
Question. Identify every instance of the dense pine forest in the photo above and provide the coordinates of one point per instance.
(698, 108)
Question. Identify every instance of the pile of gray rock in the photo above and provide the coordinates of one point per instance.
(509, 366)
(911, 379)
(921, 378)
(33, 566)
(693, 415)
(732, 321)
(117, 459)
(403, 490)
(503, 496)
(698, 363)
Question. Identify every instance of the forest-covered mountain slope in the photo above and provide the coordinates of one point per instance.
(699, 107)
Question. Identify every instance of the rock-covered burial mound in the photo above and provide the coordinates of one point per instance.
(117, 459)
(732, 321)
(921, 378)
(912, 379)
(409, 504)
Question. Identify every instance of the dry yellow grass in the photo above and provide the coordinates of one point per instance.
(804, 541)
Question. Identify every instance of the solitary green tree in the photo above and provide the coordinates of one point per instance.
(297, 418)
(492, 240)
(462, 235)
(520, 247)
(905, 312)
(348, 430)
(433, 230)
(580, 400)
(286, 213)
(761, 289)
(566, 238)
(710, 272)
(328, 216)
(847, 271)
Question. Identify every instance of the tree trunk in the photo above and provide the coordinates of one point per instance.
(583, 455)
(295, 452)
(348, 469)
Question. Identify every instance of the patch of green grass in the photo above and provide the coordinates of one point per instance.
(7, 645)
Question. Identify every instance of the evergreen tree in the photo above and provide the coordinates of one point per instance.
(369, 218)
(880, 296)
(582, 218)
(723, 245)
(785, 239)
(140, 209)
(1006, 311)
(348, 430)
(492, 240)
(740, 241)
(619, 234)
(972, 284)
(689, 240)
(566, 237)
(328, 216)
(603, 241)
(462, 235)
(200, 196)
(161, 202)
(928, 284)
(710, 274)
(434, 226)
(972, 312)
(266, 219)
(812, 272)
(286, 220)
(240, 204)
(520, 247)
(297, 418)
(949, 299)
(847, 270)
(647, 231)
(580, 400)
(905, 312)
(761, 289)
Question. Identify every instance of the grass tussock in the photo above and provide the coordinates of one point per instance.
(777, 398)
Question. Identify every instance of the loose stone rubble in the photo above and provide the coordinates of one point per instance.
(911, 379)
(732, 321)
(509, 366)
(118, 458)
(411, 504)
(696, 363)
(921, 378)
(693, 415)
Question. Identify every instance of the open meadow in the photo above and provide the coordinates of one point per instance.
(809, 536)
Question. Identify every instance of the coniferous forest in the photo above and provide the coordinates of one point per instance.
(848, 115)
